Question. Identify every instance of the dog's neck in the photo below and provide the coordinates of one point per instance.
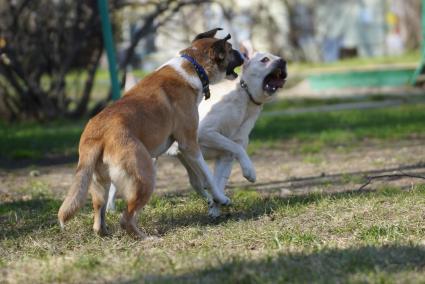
(202, 74)
(244, 86)
(185, 69)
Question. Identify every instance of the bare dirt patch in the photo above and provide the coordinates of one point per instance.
(281, 170)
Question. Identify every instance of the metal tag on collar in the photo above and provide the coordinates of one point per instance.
(243, 84)
(206, 91)
(245, 87)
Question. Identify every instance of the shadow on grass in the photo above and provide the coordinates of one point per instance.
(247, 205)
(23, 217)
(20, 218)
(364, 264)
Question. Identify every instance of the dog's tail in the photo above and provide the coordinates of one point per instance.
(77, 194)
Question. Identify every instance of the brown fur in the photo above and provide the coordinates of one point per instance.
(118, 143)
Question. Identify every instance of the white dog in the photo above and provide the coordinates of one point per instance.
(228, 117)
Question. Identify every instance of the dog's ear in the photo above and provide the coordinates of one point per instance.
(246, 49)
(208, 34)
(219, 48)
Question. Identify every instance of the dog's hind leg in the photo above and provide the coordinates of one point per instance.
(222, 170)
(134, 175)
(110, 206)
(99, 192)
(111, 198)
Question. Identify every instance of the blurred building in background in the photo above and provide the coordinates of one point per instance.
(303, 30)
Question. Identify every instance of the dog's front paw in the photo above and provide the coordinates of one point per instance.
(214, 211)
(223, 200)
(249, 173)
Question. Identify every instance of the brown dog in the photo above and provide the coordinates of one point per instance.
(118, 144)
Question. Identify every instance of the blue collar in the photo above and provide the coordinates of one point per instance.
(201, 74)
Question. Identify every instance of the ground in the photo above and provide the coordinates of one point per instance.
(304, 220)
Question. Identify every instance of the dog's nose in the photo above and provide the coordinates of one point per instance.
(239, 57)
(281, 63)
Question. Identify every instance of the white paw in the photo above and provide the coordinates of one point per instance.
(249, 173)
(214, 211)
(222, 200)
(62, 225)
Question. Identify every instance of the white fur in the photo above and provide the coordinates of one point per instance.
(110, 206)
(117, 174)
(227, 119)
(119, 178)
(176, 63)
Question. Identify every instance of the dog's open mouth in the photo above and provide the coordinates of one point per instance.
(231, 74)
(275, 80)
(237, 61)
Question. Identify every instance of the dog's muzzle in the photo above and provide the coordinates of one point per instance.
(235, 62)
(276, 78)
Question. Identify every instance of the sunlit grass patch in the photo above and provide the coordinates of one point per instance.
(35, 141)
(340, 237)
(312, 132)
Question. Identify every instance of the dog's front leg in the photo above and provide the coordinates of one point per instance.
(215, 140)
(200, 186)
(197, 182)
(193, 157)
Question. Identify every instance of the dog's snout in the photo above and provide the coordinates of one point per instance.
(281, 63)
(235, 61)
(239, 57)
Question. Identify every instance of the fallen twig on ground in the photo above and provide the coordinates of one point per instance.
(396, 176)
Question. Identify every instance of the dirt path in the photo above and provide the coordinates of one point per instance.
(279, 170)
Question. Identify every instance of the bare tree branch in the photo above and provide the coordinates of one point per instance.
(152, 22)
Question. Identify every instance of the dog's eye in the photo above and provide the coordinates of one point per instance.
(265, 60)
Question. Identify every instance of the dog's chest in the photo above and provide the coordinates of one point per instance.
(238, 122)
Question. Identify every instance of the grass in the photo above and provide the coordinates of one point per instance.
(311, 132)
(315, 102)
(35, 141)
(314, 131)
(264, 237)
(346, 237)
